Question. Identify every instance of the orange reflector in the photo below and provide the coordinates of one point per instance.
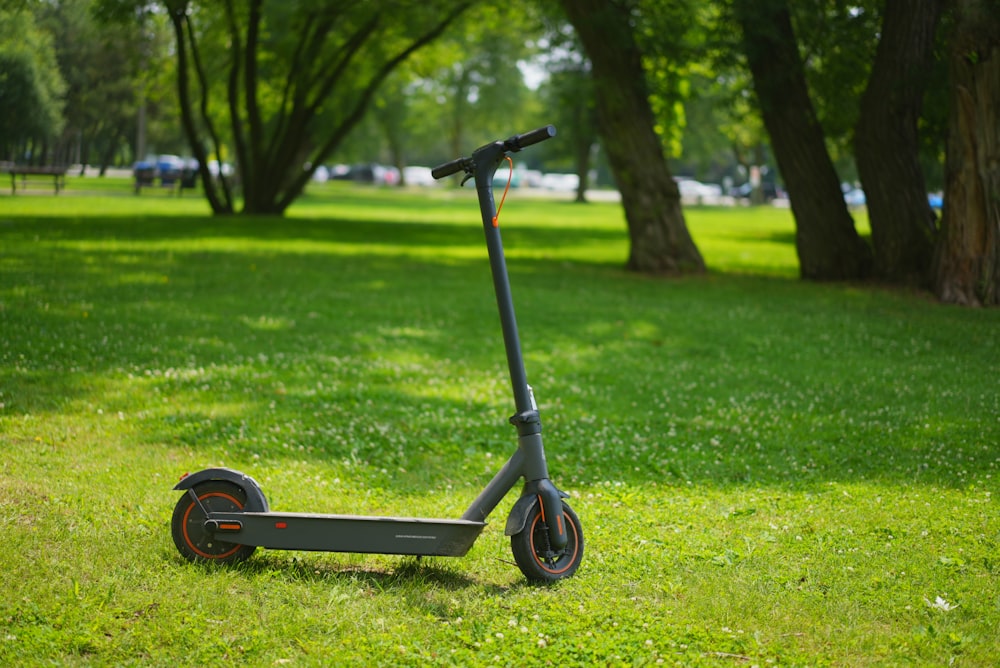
(281, 525)
(233, 526)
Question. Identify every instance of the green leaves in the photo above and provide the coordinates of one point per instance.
(31, 86)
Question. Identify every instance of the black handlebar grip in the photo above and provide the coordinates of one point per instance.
(514, 144)
(517, 142)
(448, 168)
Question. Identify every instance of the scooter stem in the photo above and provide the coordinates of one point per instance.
(531, 452)
(486, 159)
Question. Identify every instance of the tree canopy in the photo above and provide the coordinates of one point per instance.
(31, 87)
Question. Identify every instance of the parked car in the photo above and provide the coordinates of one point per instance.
(768, 189)
(144, 172)
(169, 168)
(321, 174)
(217, 169)
(367, 173)
(696, 191)
(530, 178)
(855, 197)
(418, 176)
(560, 181)
(503, 173)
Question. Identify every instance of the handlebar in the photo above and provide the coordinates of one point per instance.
(511, 145)
(449, 168)
(517, 142)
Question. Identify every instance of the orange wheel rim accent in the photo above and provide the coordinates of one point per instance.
(569, 558)
(187, 538)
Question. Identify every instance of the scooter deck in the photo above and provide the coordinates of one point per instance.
(347, 533)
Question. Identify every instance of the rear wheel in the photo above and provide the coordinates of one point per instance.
(535, 556)
(191, 537)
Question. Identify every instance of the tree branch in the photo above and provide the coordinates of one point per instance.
(298, 86)
(233, 91)
(250, 86)
(178, 20)
(361, 104)
(206, 179)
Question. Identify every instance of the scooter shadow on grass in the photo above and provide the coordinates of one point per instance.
(406, 573)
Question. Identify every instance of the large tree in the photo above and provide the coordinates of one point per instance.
(660, 241)
(828, 245)
(294, 77)
(968, 253)
(887, 145)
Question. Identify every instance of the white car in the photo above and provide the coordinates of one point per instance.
(215, 169)
(418, 176)
(698, 192)
(560, 181)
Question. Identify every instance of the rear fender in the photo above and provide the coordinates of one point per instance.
(256, 502)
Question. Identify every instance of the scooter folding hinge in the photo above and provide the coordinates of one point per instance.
(527, 417)
(527, 423)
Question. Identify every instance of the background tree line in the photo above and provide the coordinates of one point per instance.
(899, 95)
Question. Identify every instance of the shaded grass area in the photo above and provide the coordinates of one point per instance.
(766, 471)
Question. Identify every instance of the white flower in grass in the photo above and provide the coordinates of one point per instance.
(940, 604)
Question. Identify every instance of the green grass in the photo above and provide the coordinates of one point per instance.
(767, 472)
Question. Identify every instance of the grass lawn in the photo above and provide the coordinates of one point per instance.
(768, 472)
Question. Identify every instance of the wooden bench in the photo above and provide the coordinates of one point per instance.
(57, 174)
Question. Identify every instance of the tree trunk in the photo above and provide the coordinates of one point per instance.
(828, 245)
(660, 241)
(179, 22)
(108, 154)
(581, 161)
(887, 145)
(968, 252)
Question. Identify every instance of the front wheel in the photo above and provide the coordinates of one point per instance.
(535, 557)
(192, 539)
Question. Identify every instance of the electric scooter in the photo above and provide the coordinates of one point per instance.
(223, 515)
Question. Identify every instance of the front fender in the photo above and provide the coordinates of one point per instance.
(256, 502)
(519, 514)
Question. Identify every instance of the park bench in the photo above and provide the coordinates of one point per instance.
(57, 174)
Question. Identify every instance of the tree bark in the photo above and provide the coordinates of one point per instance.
(581, 161)
(178, 19)
(660, 241)
(222, 203)
(828, 245)
(968, 252)
(887, 144)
